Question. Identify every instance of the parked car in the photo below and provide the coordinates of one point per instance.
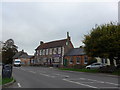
(95, 66)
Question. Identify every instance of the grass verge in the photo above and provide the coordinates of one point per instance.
(5, 80)
(80, 70)
(117, 72)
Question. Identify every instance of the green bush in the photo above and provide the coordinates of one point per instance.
(79, 66)
(107, 69)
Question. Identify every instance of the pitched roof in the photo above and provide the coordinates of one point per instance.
(20, 53)
(24, 56)
(75, 52)
(53, 44)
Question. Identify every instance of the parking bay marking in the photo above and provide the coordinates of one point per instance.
(79, 83)
(91, 81)
(100, 81)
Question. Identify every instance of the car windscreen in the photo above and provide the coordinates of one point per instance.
(17, 61)
(97, 64)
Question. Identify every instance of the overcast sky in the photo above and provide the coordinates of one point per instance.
(27, 23)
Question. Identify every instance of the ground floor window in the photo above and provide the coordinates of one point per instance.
(71, 60)
(78, 60)
(85, 59)
(56, 59)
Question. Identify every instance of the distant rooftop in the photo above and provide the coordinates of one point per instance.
(75, 52)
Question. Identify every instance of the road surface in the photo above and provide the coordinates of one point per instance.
(48, 77)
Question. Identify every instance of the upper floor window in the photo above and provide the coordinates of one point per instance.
(37, 52)
(40, 52)
(46, 51)
(55, 51)
(50, 52)
(43, 51)
(59, 50)
(85, 60)
(78, 60)
(62, 50)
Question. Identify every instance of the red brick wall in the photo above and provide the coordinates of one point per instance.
(26, 61)
(74, 60)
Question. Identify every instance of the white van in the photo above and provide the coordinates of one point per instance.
(17, 62)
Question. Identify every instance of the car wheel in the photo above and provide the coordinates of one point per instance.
(88, 67)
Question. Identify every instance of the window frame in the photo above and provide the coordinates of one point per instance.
(78, 60)
(47, 52)
(85, 59)
(71, 60)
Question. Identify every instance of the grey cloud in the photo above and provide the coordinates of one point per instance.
(28, 23)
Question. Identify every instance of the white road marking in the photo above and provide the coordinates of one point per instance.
(112, 83)
(108, 87)
(23, 69)
(95, 80)
(50, 67)
(103, 82)
(88, 82)
(57, 74)
(99, 81)
(32, 71)
(82, 78)
(62, 75)
(19, 85)
(47, 75)
(80, 83)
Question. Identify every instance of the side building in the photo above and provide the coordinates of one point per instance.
(52, 53)
(76, 57)
(24, 57)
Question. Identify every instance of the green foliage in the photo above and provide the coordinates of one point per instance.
(92, 60)
(8, 51)
(103, 41)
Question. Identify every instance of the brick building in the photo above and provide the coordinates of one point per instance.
(24, 57)
(52, 53)
(76, 56)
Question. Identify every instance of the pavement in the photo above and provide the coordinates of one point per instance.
(48, 77)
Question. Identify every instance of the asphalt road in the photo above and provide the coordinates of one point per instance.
(44, 77)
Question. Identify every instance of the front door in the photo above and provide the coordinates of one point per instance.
(65, 62)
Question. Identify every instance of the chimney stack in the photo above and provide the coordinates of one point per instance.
(22, 50)
(41, 42)
(68, 37)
